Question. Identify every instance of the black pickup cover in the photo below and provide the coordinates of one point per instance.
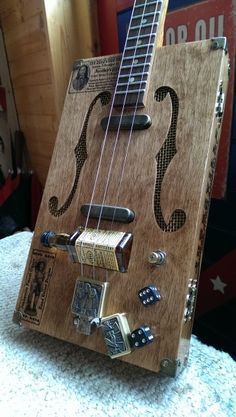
(112, 213)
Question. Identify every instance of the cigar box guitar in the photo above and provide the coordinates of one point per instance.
(116, 252)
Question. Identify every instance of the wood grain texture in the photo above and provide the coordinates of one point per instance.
(161, 25)
(6, 82)
(70, 36)
(194, 72)
(42, 42)
(25, 32)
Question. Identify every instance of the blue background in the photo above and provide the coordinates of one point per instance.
(175, 4)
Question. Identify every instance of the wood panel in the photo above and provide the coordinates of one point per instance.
(43, 38)
(15, 12)
(62, 45)
(12, 120)
(25, 30)
(35, 99)
(192, 74)
(72, 30)
(29, 34)
(87, 28)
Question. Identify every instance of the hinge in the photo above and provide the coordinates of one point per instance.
(220, 102)
(190, 300)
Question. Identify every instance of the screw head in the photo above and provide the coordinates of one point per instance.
(165, 363)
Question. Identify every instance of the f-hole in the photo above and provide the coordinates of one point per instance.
(163, 160)
(80, 158)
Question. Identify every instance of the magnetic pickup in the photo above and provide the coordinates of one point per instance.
(127, 122)
(111, 213)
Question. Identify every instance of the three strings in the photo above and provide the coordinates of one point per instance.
(126, 92)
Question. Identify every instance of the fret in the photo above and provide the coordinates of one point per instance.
(136, 65)
(141, 64)
(137, 56)
(145, 35)
(144, 4)
(137, 74)
(142, 90)
(130, 83)
(147, 3)
(142, 22)
(144, 15)
(139, 46)
(146, 25)
(148, 9)
(144, 31)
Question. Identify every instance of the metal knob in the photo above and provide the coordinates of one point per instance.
(157, 258)
(51, 239)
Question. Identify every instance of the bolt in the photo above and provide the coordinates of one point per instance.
(165, 363)
(157, 258)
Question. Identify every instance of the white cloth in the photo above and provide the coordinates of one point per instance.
(41, 376)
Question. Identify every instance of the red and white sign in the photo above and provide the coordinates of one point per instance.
(205, 20)
(199, 21)
(217, 284)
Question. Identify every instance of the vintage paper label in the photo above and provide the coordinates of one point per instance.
(95, 74)
(98, 248)
(36, 286)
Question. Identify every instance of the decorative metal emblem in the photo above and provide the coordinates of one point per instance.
(116, 335)
(88, 304)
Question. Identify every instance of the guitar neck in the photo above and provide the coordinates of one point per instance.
(145, 33)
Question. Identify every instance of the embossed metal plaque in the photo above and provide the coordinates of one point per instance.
(88, 303)
(116, 331)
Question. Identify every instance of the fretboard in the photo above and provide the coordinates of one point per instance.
(138, 53)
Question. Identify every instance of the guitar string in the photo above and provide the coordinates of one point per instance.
(122, 111)
(137, 100)
(102, 153)
(157, 9)
(119, 126)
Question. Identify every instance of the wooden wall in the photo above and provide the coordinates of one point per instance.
(42, 40)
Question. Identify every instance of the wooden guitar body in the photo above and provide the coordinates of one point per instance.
(163, 174)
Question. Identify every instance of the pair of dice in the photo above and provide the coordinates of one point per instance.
(142, 336)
